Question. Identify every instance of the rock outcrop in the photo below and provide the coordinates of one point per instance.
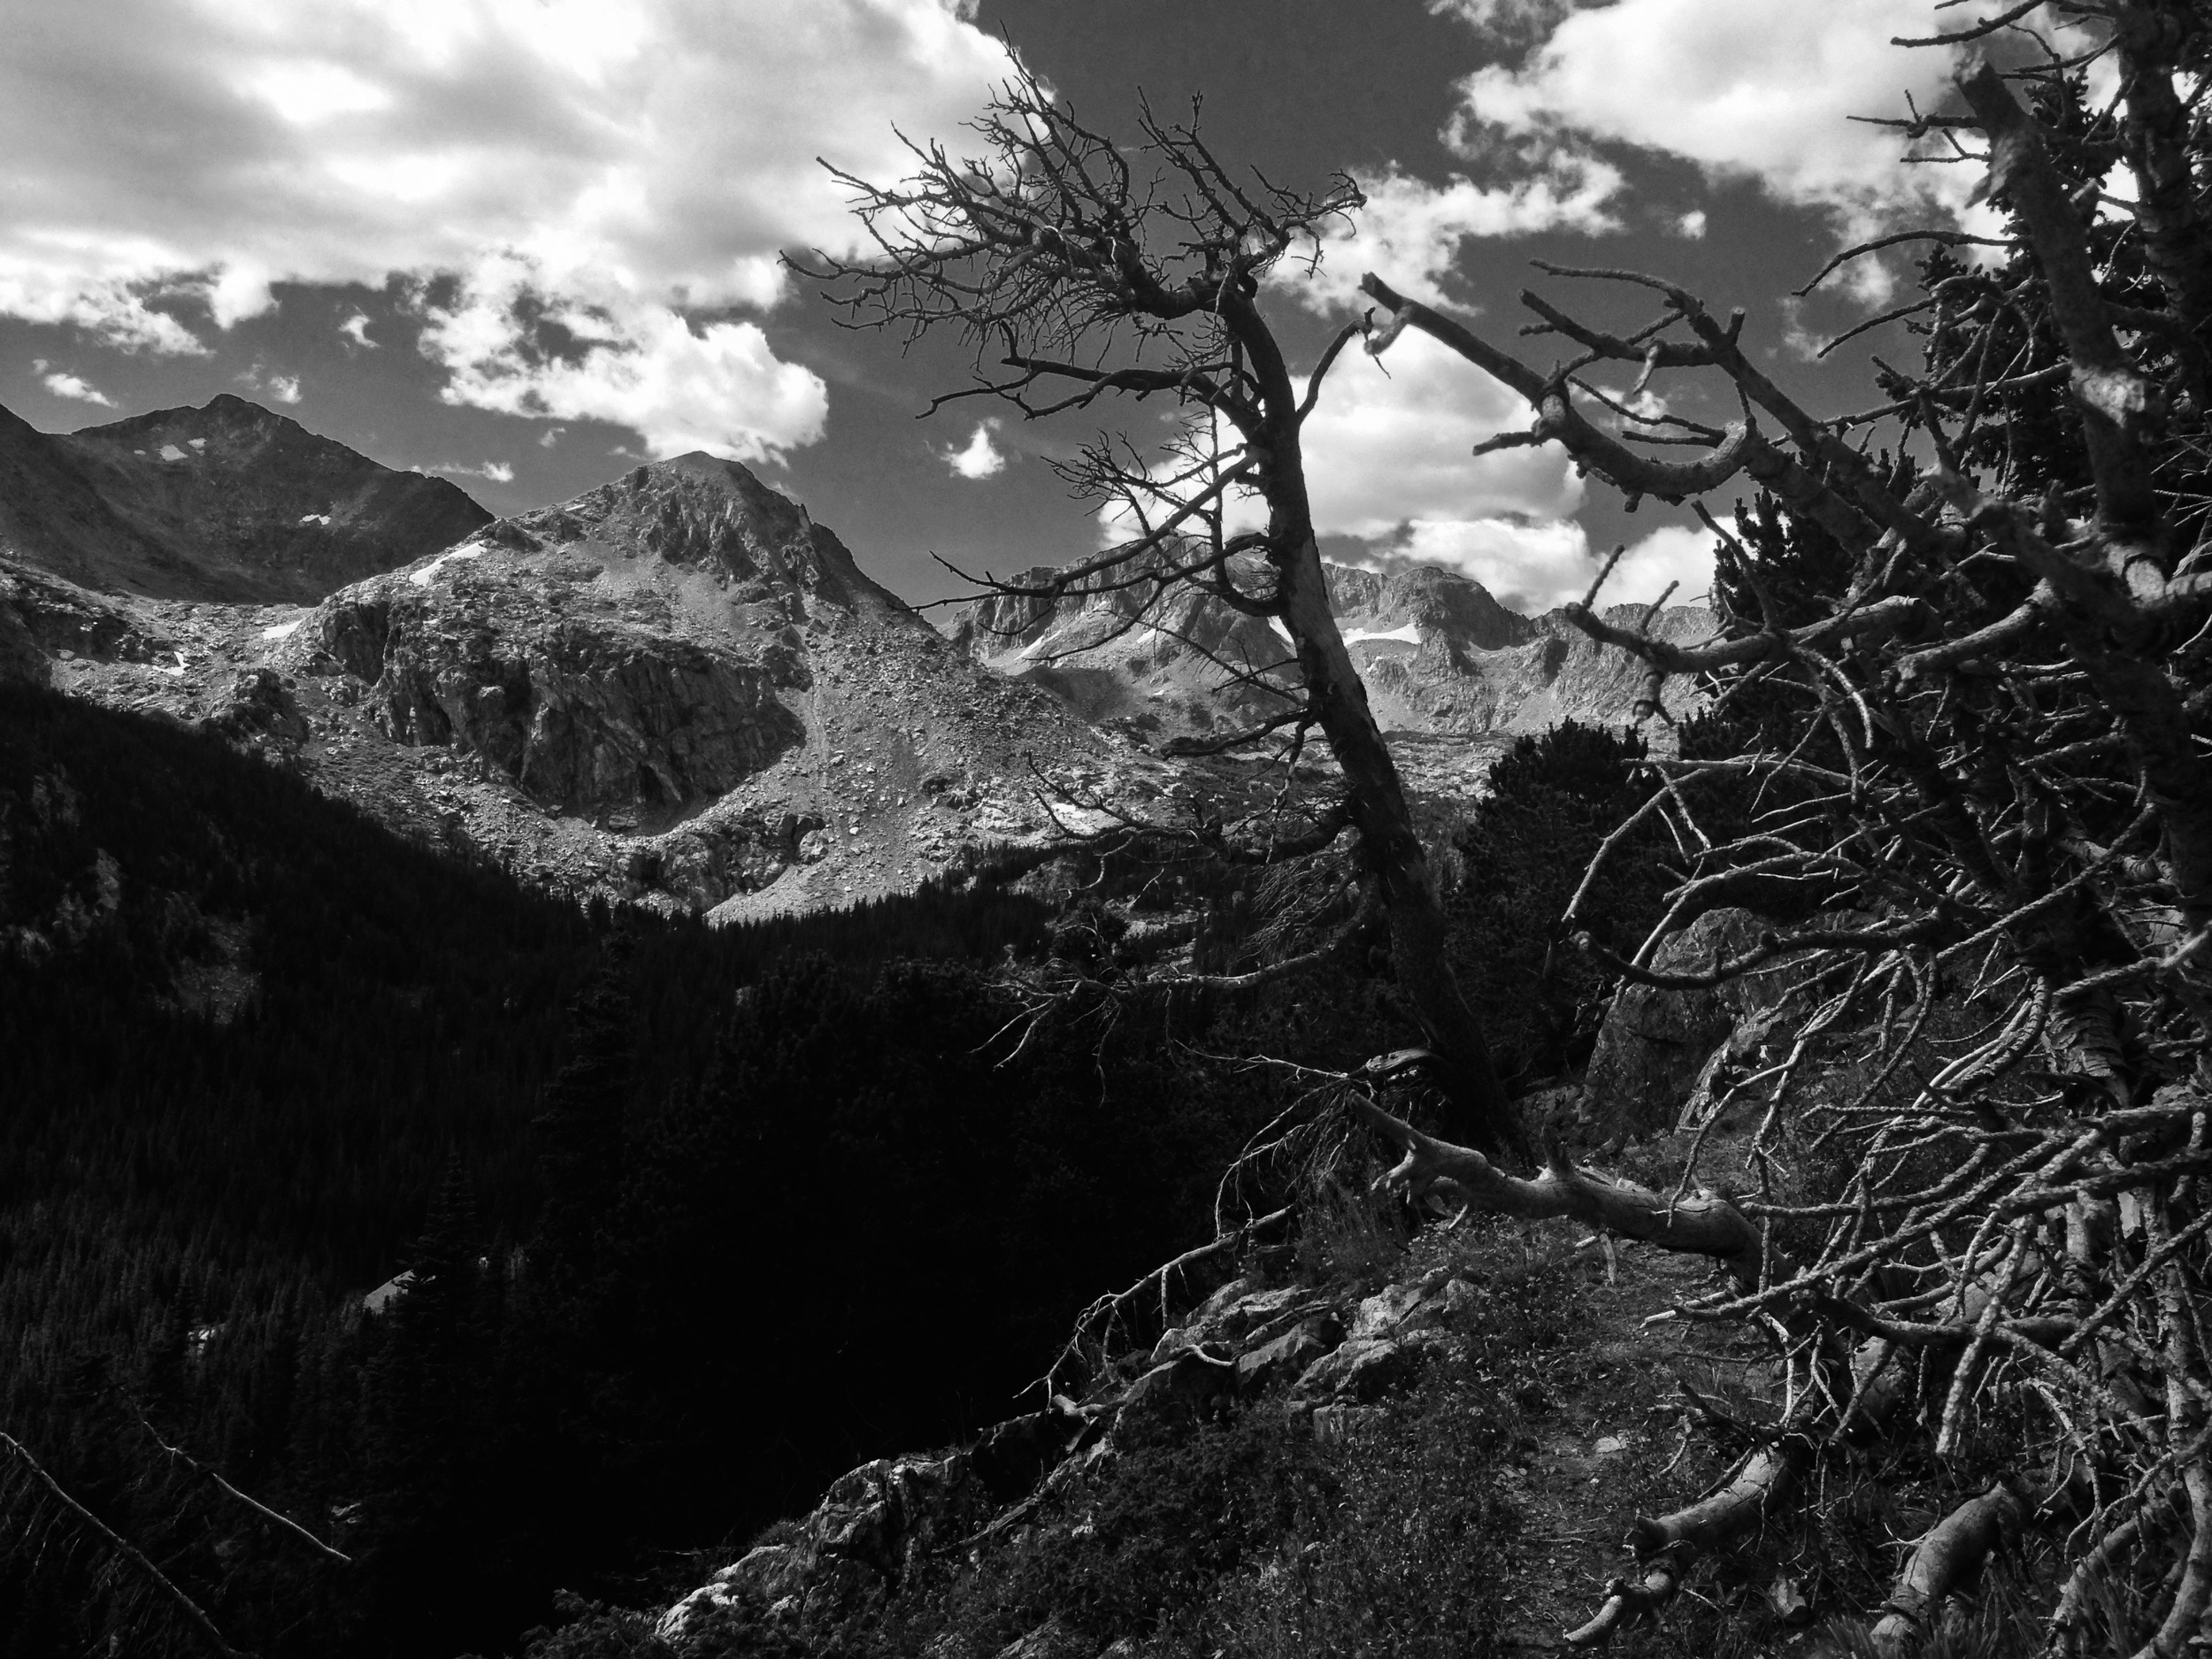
(1320, 1357)
(1656, 1042)
(229, 502)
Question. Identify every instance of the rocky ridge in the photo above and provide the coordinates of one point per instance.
(229, 502)
(1441, 656)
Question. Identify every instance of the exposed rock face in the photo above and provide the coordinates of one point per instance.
(1170, 673)
(229, 502)
(1655, 1042)
(634, 655)
(1440, 655)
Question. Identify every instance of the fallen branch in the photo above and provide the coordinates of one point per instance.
(1952, 1551)
(120, 1549)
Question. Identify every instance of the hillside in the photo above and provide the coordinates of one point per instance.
(228, 504)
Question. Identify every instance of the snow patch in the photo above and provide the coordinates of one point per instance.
(314, 518)
(283, 630)
(197, 443)
(1409, 634)
(422, 578)
(170, 452)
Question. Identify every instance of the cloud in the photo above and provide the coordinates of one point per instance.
(355, 328)
(1503, 17)
(640, 164)
(550, 436)
(283, 389)
(62, 384)
(981, 458)
(497, 471)
(511, 343)
(1744, 88)
(1411, 230)
(1533, 565)
(1672, 553)
(1527, 566)
(1690, 225)
(1384, 450)
(1388, 462)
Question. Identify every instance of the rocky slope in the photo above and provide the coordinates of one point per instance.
(229, 502)
(676, 688)
(1441, 657)
(1305, 1433)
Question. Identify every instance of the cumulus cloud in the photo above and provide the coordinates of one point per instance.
(981, 458)
(1527, 566)
(283, 389)
(1413, 229)
(355, 328)
(1388, 462)
(511, 343)
(496, 472)
(1742, 88)
(550, 436)
(1671, 554)
(63, 384)
(1534, 565)
(1386, 448)
(639, 165)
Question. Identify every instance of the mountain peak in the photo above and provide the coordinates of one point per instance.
(230, 503)
(716, 516)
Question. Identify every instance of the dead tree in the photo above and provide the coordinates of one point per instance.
(1084, 272)
(1965, 639)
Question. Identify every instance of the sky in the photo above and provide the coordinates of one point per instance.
(527, 244)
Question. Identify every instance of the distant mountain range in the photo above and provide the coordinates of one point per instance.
(1439, 656)
(678, 687)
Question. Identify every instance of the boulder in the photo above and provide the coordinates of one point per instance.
(1655, 1041)
(1289, 1355)
(1231, 1313)
(1364, 1370)
(1187, 1387)
(871, 1525)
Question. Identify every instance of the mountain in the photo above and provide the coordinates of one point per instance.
(676, 688)
(1441, 656)
(229, 503)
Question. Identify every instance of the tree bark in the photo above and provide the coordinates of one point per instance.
(1951, 1552)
